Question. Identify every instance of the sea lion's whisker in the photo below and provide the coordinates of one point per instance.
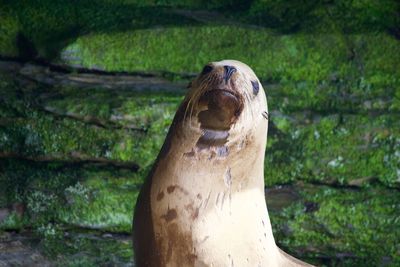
(249, 103)
(196, 97)
(194, 100)
(186, 109)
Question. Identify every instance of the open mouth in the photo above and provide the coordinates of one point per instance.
(223, 108)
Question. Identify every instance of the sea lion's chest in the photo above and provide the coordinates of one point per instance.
(202, 216)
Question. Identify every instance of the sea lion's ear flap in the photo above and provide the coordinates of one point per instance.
(189, 85)
(256, 87)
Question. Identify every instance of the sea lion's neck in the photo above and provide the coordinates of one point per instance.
(236, 166)
(207, 192)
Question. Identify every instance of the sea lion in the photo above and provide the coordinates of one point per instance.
(203, 203)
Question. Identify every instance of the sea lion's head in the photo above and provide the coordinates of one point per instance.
(225, 100)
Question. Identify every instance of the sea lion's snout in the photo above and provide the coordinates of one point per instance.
(221, 101)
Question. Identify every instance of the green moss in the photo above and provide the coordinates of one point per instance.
(84, 197)
(336, 149)
(59, 191)
(37, 132)
(102, 201)
(271, 57)
(14, 221)
(47, 26)
(360, 224)
(9, 28)
(315, 71)
(84, 248)
(320, 16)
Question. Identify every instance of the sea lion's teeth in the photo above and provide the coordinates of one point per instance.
(213, 138)
(213, 134)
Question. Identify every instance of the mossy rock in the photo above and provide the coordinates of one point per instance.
(337, 148)
(85, 197)
(102, 201)
(56, 127)
(322, 17)
(9, 29)
(45, 27)
(313, 71)
(341, 227)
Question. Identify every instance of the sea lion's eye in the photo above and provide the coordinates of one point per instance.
(206, 69)
(256, 87)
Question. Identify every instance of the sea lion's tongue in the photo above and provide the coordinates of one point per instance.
(223, 110)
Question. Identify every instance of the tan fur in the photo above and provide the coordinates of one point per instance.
(205, 206)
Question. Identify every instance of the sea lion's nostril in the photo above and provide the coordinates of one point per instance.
(229, 70)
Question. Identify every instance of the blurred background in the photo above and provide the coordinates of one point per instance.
(89, 88)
